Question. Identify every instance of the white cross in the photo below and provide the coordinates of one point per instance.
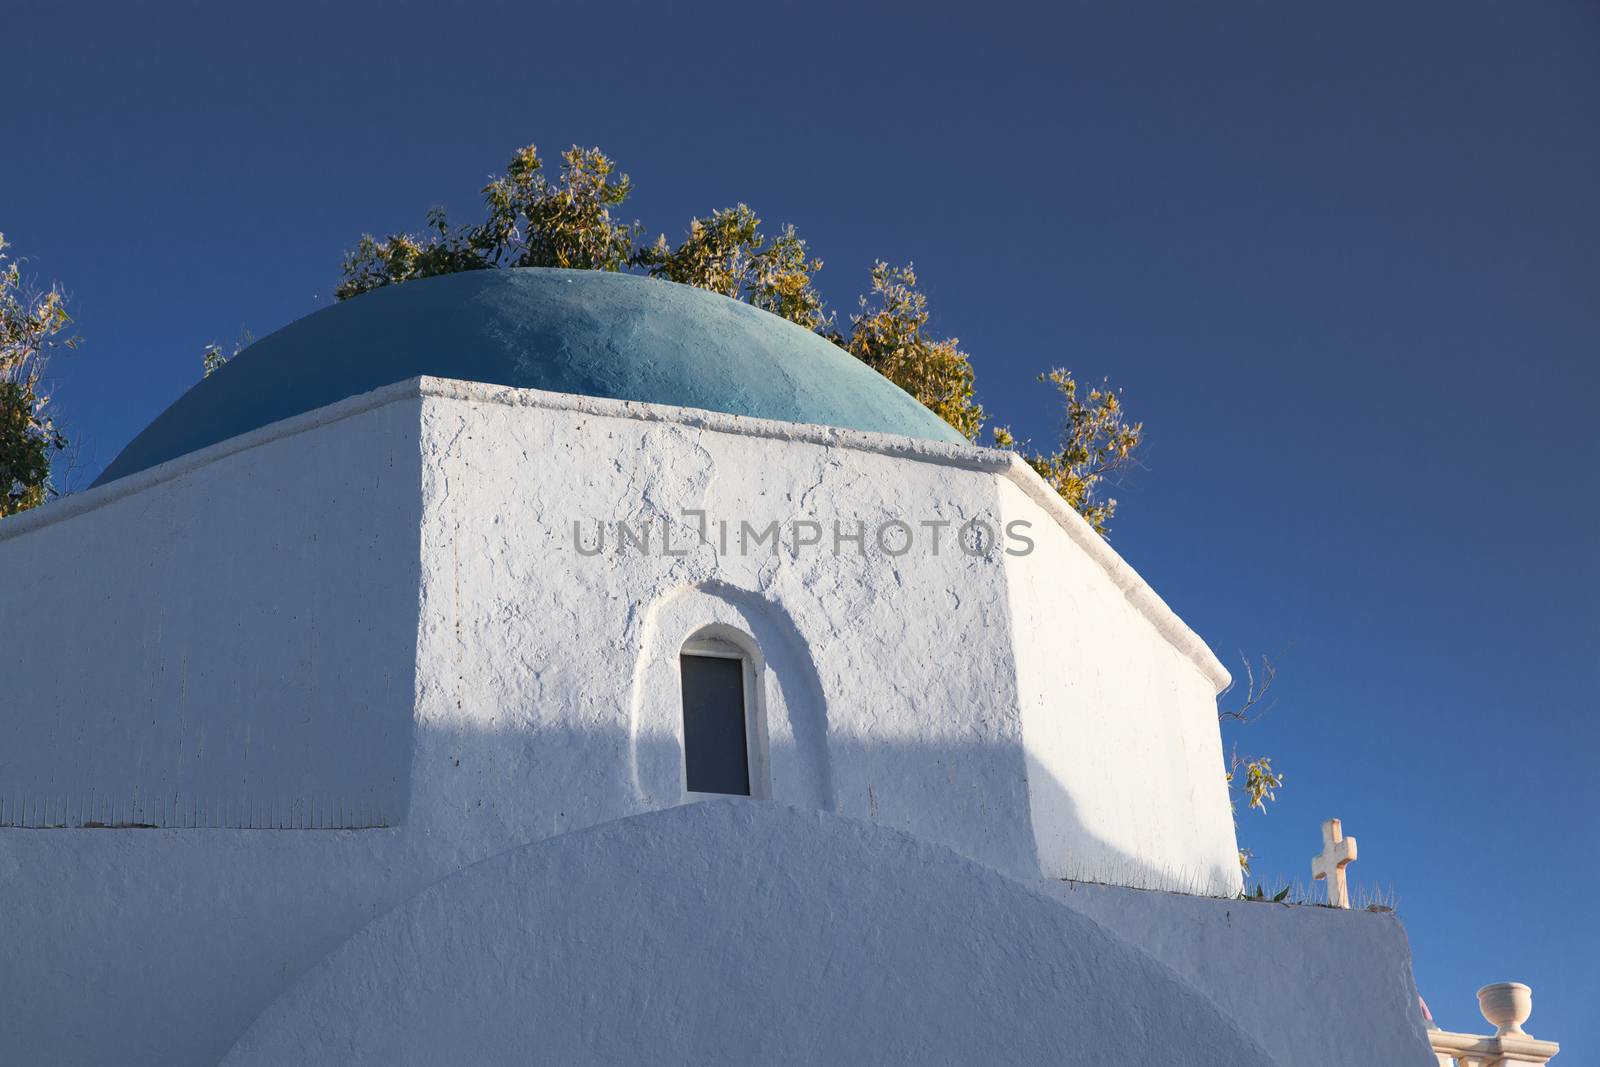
(1337, 850)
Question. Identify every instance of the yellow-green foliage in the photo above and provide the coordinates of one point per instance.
(728, 254)
(530, 222)
(890, 335)
(213, 358)
(782, 283)
(719, 253)
(1260, 786)
(32, 325)
(1097, 443)
(535, 223)
(1260, 783)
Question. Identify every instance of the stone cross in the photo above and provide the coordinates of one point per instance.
(1337, 850)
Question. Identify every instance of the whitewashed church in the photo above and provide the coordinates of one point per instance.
(566, 667)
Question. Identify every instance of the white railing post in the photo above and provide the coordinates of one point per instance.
(1506, 1006)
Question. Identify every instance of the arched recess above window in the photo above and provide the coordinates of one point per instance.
(783, 714)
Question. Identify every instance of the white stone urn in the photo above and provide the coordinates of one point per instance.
(1506, 1005)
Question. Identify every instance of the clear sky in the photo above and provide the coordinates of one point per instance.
(1341, 257)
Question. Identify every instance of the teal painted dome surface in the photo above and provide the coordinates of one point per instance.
(619, 336)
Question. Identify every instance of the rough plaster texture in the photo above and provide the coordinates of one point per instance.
(738, 932)
(892, 682)
(904, 665)
(1318, 987)
(383, 598)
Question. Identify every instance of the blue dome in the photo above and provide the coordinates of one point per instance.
(597, 334)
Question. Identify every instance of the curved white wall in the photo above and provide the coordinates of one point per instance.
(751, 938)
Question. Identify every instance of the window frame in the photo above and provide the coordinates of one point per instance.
(717, 646)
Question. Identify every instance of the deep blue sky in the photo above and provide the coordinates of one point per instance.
(1342, 259)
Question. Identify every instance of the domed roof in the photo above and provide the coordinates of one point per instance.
(597, 334)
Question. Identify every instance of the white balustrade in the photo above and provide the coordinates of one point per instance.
(1506, 1006)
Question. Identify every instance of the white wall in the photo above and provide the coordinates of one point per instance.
(233, 645)
(378, 607)
(1317, 986)
(1024, 710)
(236, 642)
(751, 937)
(904, 664)
(1125, 759)
(227, 640)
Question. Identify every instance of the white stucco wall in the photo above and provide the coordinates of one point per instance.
(374, 614)
(232, 645)
(226, 641)
(751, 938)
(1317, 986)
(899, 669)
(894, 679)
(1120, 726)
(254, 628)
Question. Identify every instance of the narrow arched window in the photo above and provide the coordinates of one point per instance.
(716, 717)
